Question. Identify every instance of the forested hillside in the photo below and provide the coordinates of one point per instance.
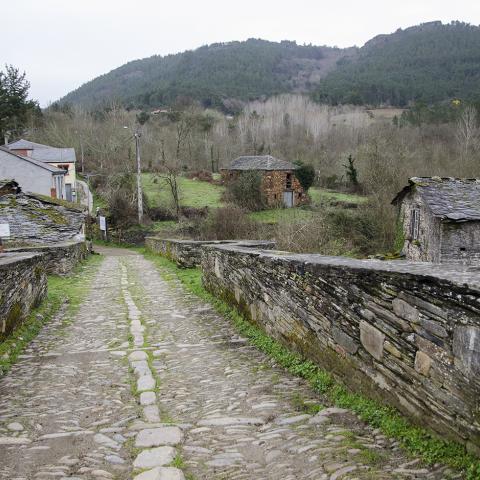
(429, 63)
(212, 74)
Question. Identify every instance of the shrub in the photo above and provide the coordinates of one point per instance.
(160, 214)
(305, 175)
(192, 212)
(311, 235)
(122, 211)
(245, 191)
(333, 231)
(228, 223)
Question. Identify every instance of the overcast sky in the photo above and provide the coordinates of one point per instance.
(61, 44)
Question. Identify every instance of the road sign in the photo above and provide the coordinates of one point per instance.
(103, 224)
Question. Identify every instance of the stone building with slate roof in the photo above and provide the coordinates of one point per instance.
(441, 220)
(280, 186)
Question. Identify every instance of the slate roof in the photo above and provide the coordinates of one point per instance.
(45, 153)
(454, 199)
(260, 162)
(5, 151)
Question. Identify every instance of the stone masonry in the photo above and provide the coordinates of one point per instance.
(23, 285)
(187, 253)
(36, 220)
(59, 258)
(23, 281)
(406, 334)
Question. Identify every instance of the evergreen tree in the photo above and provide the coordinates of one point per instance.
(351, 172)
(15, 108)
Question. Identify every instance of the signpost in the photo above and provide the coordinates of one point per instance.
(103, 226)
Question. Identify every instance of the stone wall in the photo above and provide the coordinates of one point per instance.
(439, 241)
(460, 243)
(23, 285)
(405, 334)
(187, 253)
(37, 220)
(274, 184)
(58, 259)
(425, 248)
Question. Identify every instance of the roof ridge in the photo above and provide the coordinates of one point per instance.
(260, 162)
(448, 198)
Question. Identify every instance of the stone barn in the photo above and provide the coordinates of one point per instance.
(441, 220)
(280, 186)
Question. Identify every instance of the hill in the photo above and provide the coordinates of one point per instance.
(431, 62)
(212, 74)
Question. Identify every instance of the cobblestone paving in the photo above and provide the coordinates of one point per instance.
(70, 396)
(67, 409)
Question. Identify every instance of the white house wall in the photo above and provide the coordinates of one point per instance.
(30, 177)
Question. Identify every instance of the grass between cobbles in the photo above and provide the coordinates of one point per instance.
(415, 440)
(69, 291)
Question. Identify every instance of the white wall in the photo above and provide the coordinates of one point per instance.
(30, 177)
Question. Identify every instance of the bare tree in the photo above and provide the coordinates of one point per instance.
(169, 174)
(467, 131)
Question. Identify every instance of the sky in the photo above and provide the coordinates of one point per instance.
(61, 44)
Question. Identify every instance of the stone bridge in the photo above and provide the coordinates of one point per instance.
(146, 381)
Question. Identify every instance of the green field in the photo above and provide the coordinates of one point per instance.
(277, 215)
(321, 195)
(198, 194)
(193, 193)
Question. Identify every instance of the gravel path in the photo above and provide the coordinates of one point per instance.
(146, 375)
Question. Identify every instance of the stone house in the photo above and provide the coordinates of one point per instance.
(280, 186)
(63, 158)
(441, 220)
(32, 175)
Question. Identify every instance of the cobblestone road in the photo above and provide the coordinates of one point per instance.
(147, 376)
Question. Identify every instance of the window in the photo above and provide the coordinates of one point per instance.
(415, 224)
(288, 182)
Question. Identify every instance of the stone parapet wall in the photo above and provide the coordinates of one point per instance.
(23, 278)
(23, 285)
(59, 259)
(187, 253)
(36, 220)
(406, 334)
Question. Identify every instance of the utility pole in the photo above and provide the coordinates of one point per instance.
(81, 150)
(139, 178)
